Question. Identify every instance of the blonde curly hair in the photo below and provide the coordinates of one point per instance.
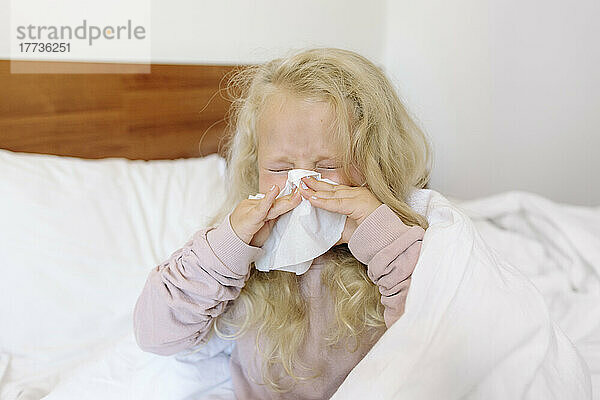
(379, 138)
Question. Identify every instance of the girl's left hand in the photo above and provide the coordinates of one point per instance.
(355, 202)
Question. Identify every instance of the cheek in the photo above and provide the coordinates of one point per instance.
(335, 176)
(357, 177)
(265, 181)
(355, 180)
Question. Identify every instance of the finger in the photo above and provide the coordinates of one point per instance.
(335, 204)
(345, 192)
(314, 184)
(284, 204)
(266, 202)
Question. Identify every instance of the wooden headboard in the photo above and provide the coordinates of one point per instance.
(176, 111)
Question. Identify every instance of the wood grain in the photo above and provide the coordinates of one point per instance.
(160, 115)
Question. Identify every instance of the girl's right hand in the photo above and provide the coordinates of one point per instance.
(253, 219)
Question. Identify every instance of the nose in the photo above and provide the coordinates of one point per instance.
(305, 165)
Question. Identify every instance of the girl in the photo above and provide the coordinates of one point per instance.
(298, 337)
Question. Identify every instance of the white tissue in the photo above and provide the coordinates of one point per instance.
(302, 234)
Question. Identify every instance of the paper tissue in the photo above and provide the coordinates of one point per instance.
(302, 234)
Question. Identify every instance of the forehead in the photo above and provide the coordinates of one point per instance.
(289, 126)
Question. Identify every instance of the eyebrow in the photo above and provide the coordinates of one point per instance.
(285, 158)
(285, 161)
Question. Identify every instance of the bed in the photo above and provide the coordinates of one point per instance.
(103, 176)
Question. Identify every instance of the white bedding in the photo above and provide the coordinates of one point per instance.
(474, 326)
(78, 238)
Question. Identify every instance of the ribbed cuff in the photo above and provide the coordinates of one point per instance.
(377, 231)
(231, 250)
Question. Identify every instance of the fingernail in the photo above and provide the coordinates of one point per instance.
(313, 197)
(272, 187)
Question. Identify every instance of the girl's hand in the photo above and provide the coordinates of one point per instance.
(355, 202)
(253, 219)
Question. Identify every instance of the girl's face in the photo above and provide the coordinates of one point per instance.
(296, 133)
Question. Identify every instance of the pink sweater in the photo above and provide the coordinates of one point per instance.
(183, 294)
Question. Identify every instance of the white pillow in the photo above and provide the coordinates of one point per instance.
(77, 241)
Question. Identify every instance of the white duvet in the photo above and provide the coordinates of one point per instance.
(474, 326)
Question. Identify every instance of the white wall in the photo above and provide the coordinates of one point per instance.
(242, 31)
(509, 92)
(249, 31)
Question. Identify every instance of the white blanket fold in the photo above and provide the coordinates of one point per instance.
(474, 328)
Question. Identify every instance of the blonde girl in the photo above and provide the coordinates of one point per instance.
(298, 336)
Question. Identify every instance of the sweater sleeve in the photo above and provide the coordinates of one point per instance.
(390, 250)
(182, 295)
